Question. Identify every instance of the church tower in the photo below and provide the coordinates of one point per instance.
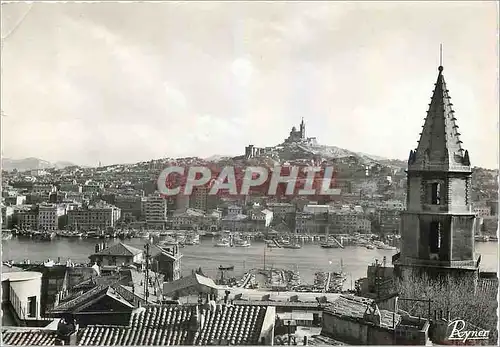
(437, 228)
(302, 129)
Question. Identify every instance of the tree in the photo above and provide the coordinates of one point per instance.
(455, 297)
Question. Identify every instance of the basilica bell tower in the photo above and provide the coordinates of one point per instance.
(437, 228)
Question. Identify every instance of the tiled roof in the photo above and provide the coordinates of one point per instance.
(34, 337)
(354, 307)
(120, 249)
(85, 297)
(169, 325)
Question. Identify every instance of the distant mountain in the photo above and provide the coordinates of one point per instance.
(25, 164)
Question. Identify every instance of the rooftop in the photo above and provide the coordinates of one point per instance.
(354, 308)
(28, 337)
(170, 325)
(120, 249)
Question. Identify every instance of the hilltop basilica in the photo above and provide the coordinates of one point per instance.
(296, 136)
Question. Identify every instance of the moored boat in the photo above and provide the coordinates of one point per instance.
(292, 246)
(223, 243)
(242, 243)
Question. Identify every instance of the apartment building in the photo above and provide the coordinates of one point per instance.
(48, 216)
(199, 198)
(131, 206)
(7, 213)
(98, 217)
(154, 211)
(347, 221)
(26, 218)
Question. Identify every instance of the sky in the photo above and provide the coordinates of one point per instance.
(129, 82)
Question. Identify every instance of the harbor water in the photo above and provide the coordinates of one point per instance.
(307, 260)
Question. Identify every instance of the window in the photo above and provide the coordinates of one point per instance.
(436, 193)
(435, 238)
(32, 306)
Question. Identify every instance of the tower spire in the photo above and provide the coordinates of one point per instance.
(441, 56)
(439, 147)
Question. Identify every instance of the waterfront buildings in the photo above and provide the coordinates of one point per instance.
(49, 216)
(94, 217)
(26, 217)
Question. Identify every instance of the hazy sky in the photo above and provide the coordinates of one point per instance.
(130, 82)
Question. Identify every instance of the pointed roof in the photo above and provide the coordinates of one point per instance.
(439, 147)
(120, 249)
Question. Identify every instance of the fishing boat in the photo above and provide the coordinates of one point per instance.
(292, 246)
(481, 238)
(242, 243)
(67, 233)
(143, 234)
(6, 235)
(329, 245)
(223, 243)
(192, 239)
(49, 263)
(370, 247)
(169, 240)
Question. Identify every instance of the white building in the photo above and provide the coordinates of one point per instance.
(7, 212)
(23, 290)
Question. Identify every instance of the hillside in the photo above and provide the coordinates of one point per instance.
(310, 151)
(25, 164)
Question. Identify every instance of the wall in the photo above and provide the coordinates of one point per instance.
(462, 242)
(344, 330)
(410, 230)
(267, 330)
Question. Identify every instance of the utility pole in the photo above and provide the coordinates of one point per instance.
(146, 279)
(265, 257)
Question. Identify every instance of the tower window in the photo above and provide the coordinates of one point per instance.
(435, 239)
(436, 193)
